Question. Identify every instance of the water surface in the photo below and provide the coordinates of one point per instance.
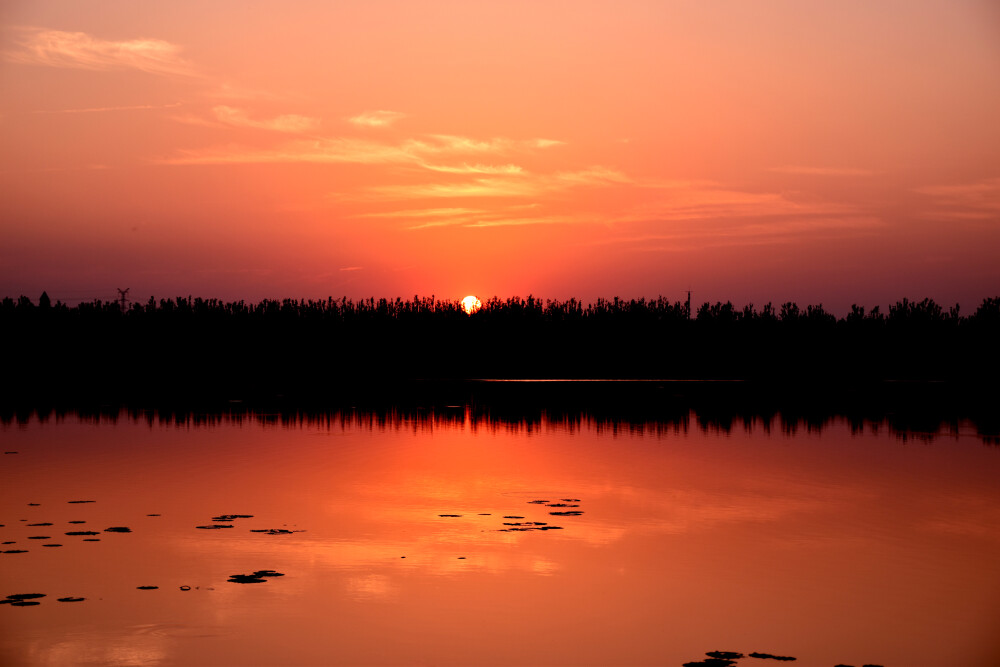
(419, 541)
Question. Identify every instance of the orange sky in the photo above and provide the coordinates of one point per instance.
(752, 151)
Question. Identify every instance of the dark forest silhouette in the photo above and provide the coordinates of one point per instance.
(193, 348)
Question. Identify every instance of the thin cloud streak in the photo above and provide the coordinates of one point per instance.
(376, 118)
(476, 169)
(978, 200)
(57, 48)
(136, 107)
(506, 187)
(345, 150)
(291, 123)
(821, 171)
(420, 213)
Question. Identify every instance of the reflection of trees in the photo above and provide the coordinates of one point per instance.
(499, 416)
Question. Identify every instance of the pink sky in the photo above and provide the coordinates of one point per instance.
(750, 151)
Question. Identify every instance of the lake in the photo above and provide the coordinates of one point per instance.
(449, 537)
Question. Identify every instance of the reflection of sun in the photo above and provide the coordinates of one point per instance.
(471, 304)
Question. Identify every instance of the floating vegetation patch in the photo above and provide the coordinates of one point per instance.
(147, 588)
(230, 517)
(450, 515)
(518, 527)
(537, 502)
(567, 513)
(83, 532)
(729, 658)
(33, 505)
(22, 599)
(40, 537)
(152, 515)
(10, 542)
(275, 531)
(72, 599)
(256, 577)
(513, 517)
(561, 505)
(78, 521)
(118, 529)
(35, 525)
(91, 539)
(78, 502)
(51, 545)
(16, 551)
(214, 526)
(570, 500)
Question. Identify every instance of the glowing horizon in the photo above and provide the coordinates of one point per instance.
(766, 153)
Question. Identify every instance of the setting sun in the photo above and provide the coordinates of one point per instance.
(471, 304)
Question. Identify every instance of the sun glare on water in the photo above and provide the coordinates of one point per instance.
(471, 304)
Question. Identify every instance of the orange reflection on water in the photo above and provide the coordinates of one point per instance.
(825, 546)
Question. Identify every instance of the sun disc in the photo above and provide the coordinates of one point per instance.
(471, 304)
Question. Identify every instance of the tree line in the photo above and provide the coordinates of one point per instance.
(194, 347)
(419, 308)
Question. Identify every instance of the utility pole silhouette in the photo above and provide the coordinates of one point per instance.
(687, 306)
(123, 297)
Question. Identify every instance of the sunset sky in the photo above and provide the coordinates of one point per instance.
(821, 152)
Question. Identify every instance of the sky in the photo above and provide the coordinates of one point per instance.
(818, 152)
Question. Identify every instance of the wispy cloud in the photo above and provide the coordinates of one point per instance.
(351, 150)
(476, 169)
(286, 123)
(500, 216)
(821, 171)
(480, 187)
(537, 220)
(978, 200)
(505, 186)
(421, 213)
(56, 48)
(135, 107)
(376, 118)
(351, 268)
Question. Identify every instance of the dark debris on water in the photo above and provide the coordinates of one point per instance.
(275, 531)
(729, 658)
(256, 577)
(22, 599)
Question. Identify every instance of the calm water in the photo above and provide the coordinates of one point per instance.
(833, 545)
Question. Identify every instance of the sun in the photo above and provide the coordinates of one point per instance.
(471, 304)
